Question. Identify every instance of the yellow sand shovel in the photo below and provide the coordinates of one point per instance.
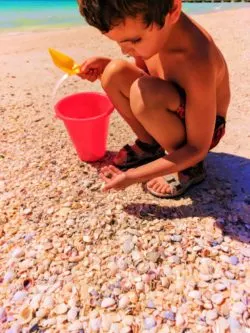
(65, 63)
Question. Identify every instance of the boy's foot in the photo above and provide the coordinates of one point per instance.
(138, 154)
(172, 186)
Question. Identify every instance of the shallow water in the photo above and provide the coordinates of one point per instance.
(27, 14)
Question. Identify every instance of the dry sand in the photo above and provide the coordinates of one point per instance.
(83, 260)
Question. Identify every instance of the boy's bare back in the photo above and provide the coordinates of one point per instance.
(192, 54)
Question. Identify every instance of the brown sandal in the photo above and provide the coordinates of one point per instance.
(150, 152)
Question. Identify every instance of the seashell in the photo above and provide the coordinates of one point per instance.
(115, 328)
(149, 323)
(234, 325)
(233, 260)
(220, 287)
(151, 305)
(18, 253)
(133, 297)
(128, 320)
(176, 238)
(143, 268)
(239, 308)
(3, 315)
(41, 313)
(75, 327)
(139, 286)
(136, 256)
(61, 309)
(26, 314)
(19, 296)
(124, 302)
(87, 239)
(211, 315)
(106, 322)
(49, 322)
(169, 315)
(128, 246)
(245, 252)
(72, 314)
(27, 283)
(229, 275)
(107, 302)
(48, 302)
(95, 324)
(9, 276)
(221, 325)
(35, 302)
(112, 266)
(217, 298)
(195, 294)
(179, 319)
(153, 256)
(208, 306)
(15, 328)
(205, 277)
(122, 264)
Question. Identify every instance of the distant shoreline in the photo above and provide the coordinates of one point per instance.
(205, 8)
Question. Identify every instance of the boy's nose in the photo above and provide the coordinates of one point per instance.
(126, 50)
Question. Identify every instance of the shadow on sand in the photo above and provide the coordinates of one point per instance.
(224, 195)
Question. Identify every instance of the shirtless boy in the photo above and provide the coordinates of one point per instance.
(175, 95)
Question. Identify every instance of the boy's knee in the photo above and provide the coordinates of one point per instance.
(113, 72)
(142, 95)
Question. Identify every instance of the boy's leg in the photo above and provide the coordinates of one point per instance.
(152, 101)
(117, 80)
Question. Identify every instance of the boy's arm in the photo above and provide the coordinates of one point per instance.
(200, 86)
(141, 64)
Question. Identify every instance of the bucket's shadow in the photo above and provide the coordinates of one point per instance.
(224, 195)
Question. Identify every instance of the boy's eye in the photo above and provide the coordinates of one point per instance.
(136, 41)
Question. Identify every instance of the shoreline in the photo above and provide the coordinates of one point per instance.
(48, 28)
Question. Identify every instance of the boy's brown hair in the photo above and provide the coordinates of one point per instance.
(106, 14)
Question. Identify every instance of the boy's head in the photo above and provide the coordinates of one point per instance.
(138, 26)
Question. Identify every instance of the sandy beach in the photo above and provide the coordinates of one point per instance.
(75, 259)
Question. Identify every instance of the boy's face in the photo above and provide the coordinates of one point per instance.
(137, 40)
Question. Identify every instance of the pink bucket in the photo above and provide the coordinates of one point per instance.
(86, 118)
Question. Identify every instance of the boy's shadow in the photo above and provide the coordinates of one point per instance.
(224, 195)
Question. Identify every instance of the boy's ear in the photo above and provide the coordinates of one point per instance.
(175, 13)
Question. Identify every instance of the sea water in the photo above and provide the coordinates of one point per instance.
(30, 14)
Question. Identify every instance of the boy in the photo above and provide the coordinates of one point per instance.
(175, 97)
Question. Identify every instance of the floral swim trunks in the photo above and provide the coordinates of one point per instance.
(220, 124)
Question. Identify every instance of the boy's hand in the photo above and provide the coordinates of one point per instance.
(115, 178)
(93, 68)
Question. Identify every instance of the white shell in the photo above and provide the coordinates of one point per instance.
(149, 323)
(19, 296)
(217, 298)
(239, 308)
(8, 277)
(107, 302)
(195, 294)
(124, 302)
(75, 327)
(72, 314)
(18, 253)
(95, 324)
(61, 309)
